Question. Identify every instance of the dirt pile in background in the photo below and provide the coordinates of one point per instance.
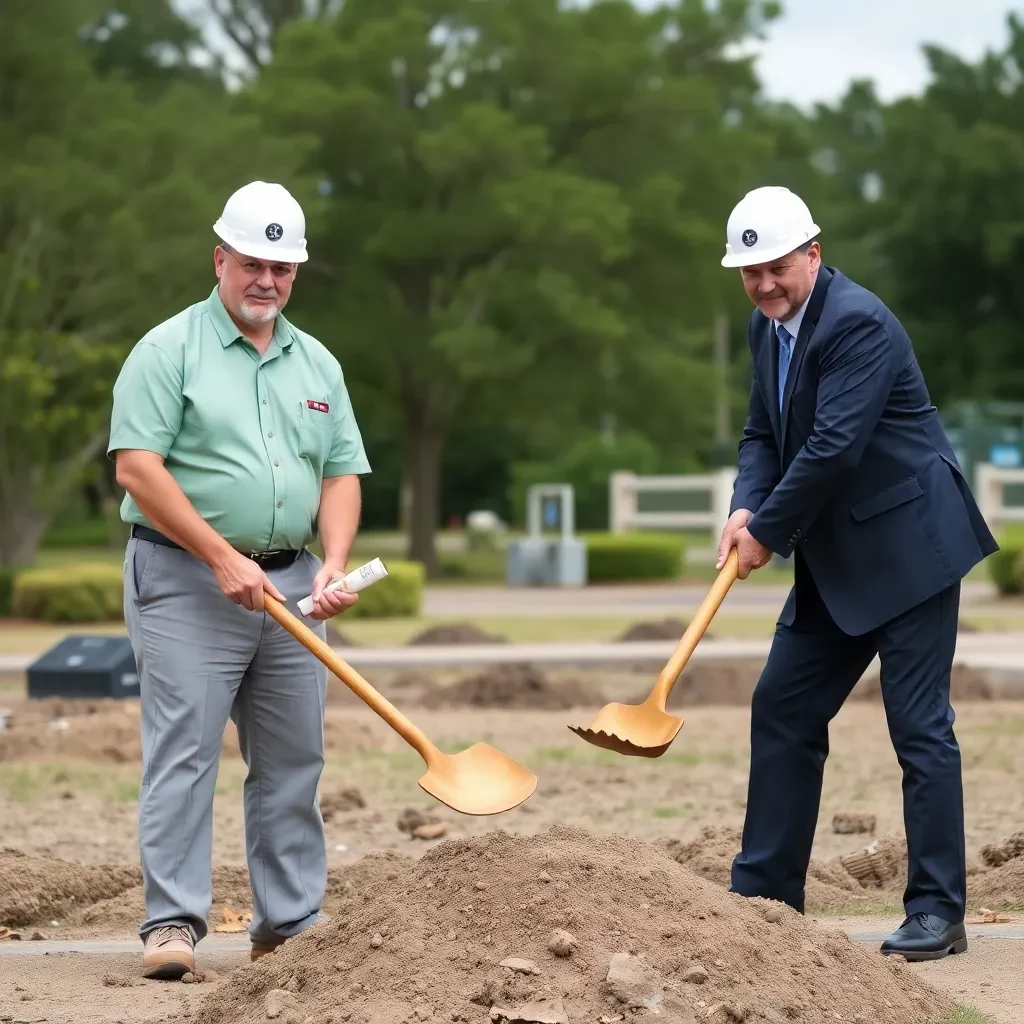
(34, 890)
(566, 926)
(965, 684)
(520, 686)
(659, 629)
(108, 731)
(999, 883)
(722, 681)
(456, 633)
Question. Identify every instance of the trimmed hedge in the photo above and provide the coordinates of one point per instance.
(93, 592)
(398, 596)
(1006, 569)
(87, 592)
(623, 557)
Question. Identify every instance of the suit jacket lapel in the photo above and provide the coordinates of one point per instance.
(810, 321)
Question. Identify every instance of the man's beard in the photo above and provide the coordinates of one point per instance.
(257, 314)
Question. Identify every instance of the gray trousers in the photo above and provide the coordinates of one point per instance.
(202, 658)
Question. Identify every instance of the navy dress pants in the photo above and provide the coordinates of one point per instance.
(810, 672)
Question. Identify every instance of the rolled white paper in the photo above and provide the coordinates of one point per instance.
(356, 580)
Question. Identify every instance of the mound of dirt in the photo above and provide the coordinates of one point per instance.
(661, 629)
(456, 633)
(829, 886)
(34, 890)
(566, 926)
(724, 681)
(512, 686)
(341, 802)
(995, 854)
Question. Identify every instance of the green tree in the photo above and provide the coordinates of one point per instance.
(106, 205)
(525, 202)
(932, 187)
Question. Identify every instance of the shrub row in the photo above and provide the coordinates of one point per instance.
(621, 557)
(93, 592)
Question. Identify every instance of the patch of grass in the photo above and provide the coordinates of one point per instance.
(670, 812)
(967, 1015)
(29, 783)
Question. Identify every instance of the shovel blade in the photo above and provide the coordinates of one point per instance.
(639, 730)
(479, 780)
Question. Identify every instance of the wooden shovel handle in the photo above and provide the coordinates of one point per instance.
(352, 679)
(695, 630)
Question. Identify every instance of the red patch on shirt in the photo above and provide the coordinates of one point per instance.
(319, 406)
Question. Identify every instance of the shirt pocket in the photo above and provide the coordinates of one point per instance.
(314, 434)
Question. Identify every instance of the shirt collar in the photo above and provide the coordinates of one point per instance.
(792, 325)
(227, 330)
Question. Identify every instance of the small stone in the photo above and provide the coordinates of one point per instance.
(451, 936)
(695, 975)
(37, 936)
(773, 915)
(188, 978)
(562, 943)
(377, 941)
(543, 877)
(633, 982)
(277, 1002)
(514, 963)
(434, 831)
(479, 885)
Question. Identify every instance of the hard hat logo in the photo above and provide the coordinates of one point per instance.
(264, 221)
(781, 223)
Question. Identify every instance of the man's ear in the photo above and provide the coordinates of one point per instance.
(814, 255)
(219, 256)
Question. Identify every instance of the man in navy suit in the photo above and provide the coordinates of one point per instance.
(844, 465)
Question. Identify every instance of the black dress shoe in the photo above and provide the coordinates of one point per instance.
(924, 937)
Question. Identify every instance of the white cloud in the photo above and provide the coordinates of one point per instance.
(818, 46)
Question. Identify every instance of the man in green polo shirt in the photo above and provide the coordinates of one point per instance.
(237, 446)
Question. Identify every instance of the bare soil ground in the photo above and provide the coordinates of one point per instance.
(69, 773)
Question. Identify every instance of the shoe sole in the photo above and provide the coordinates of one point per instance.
(171, 970)
(959, 946)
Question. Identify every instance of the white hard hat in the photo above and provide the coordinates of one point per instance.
(766, 224)
(263, 220)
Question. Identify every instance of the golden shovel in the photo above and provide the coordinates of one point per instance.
(646, 730)
(478, 780)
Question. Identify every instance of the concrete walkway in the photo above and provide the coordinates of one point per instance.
(998, 651)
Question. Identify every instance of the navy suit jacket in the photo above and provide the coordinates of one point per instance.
(855, 474)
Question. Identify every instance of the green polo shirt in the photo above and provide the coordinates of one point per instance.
(248, 439)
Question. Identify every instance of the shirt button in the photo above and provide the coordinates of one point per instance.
(264, 401)
(276, 463)
(270, 434)
(280, 504)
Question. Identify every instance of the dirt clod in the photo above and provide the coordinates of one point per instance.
(348, 799)
(851, 823)
(435, 830)
(562, 943)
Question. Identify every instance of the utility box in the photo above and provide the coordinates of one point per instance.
(548, 561)
(85, 666)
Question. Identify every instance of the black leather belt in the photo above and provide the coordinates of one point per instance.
(264, 559)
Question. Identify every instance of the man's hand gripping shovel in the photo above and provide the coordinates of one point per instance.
(646, 730)
(480, 780)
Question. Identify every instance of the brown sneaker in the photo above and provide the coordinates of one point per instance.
(169, 953)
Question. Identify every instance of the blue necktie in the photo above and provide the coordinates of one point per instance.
(785, 354)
